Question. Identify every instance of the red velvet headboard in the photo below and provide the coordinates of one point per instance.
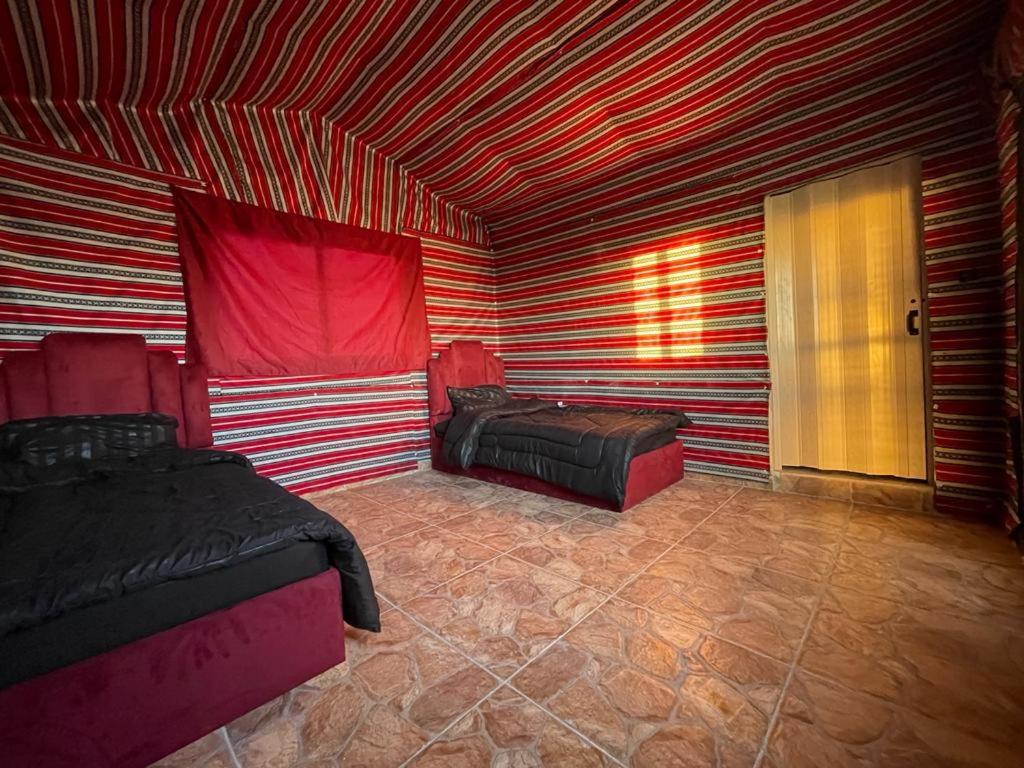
(96, 373)
(463, 364)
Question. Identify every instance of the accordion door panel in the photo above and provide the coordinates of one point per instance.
(842, 270)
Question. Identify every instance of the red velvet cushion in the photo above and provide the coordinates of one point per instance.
(165, 389)
(195, 398)
(24, 379)
(96, 373)
(463, 364)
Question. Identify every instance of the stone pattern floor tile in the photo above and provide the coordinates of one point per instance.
(534, 503)
(371, 523)
(509, 730)
(954, 669)
(446, 501)
(821, 724)
(398, 488)
(926, 532)
(761, 609)
(653, 691)
(930, 579)
(393, 694)
(502, 525)
(777, 531)
(419, 562)
(211, 751)
(785, 510)
(594, 555)
(671, 514)
(521, 630)
(504, 613)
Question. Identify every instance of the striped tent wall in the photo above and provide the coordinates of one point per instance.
(617, 151)
(962, 275)
(1009, 115)
(661, 302)
(459, 280)
(663, 321)
(86, 244)
(374, 191)
(89, 244)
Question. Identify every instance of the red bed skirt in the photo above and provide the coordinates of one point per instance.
(138, 703)
(649, 473)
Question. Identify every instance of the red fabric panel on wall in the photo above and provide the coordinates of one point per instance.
(275, 294)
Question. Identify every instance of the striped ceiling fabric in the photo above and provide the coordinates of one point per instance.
(587, 178)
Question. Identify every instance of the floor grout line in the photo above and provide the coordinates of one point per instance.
(455, 721)
(501, 552)
(567, 725)
(506, 681)
(822, 587)
(231, 747)
(608, 597)
(819, 598)
(614, 594)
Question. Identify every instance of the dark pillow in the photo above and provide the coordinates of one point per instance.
(54, 440)
(486, 395)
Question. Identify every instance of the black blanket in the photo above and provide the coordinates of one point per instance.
(75, 535)
(586, 449)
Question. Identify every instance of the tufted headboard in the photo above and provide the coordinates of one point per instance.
(104, 373)
(463, 364)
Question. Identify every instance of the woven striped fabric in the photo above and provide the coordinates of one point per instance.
(87, 244)
(676, 318)
(1007, 140)
(587, 178)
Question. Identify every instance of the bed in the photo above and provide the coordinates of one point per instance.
(146, 601)
(611, 458)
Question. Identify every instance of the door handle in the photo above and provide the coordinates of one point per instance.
(912, 328)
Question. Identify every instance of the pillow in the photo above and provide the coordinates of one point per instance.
(486, 395)
(54, 440)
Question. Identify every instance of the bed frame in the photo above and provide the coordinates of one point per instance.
(468, 364)
(142, 701)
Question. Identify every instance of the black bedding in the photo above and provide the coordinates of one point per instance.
(77, 535)
(586, 449)
(103, 626)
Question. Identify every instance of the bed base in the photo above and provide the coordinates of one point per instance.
(649, 473)
(470, 364)
(142, 701)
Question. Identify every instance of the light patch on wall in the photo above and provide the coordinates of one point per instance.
(657, 330)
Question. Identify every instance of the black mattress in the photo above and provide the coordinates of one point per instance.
(98, 552)
(645, 444)
(98, 628)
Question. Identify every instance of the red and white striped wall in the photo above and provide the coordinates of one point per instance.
(617, 150)
(89, 245)
(1009, 115)
(662, 304)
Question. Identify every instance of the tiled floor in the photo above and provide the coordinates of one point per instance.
(711, 626)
